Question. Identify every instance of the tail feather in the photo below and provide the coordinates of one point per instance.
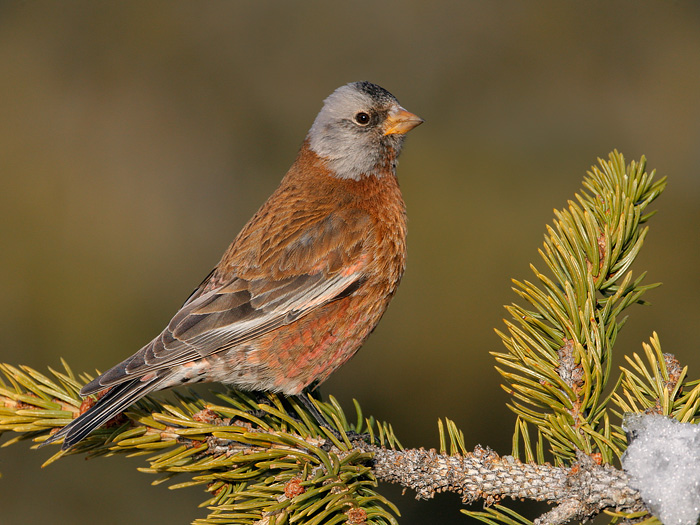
(114, 376)
(118, 399)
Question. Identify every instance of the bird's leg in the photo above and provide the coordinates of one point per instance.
(260, 399)
(322, 421)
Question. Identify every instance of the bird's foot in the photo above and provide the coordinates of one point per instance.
(355, 438)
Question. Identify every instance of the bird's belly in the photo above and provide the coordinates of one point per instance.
(293, 356)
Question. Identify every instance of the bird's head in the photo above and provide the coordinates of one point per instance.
(360, 126)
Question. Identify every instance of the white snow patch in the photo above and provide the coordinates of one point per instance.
(663, 462)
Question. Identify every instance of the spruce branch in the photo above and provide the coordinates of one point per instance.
(659, 387)
(261, 460)
(264, 460)
(559, 349)
(582, 491)
(282, 467)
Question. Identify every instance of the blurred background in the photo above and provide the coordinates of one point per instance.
(136, 138)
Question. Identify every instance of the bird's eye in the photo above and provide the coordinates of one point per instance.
(362, 118)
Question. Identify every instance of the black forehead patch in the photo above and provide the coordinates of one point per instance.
(377, 93)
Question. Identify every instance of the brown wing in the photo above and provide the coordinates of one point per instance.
(218, 317)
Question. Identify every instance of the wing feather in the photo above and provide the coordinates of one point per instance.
(238, 310)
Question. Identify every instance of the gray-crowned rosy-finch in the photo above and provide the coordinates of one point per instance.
(302, 285)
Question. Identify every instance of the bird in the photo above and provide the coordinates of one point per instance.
(302, 285)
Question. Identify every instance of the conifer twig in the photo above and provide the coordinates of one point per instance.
(282, 465)
(580, 492)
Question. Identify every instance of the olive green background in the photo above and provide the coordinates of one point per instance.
(136, 138)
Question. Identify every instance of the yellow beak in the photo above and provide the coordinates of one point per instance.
(400, 121)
